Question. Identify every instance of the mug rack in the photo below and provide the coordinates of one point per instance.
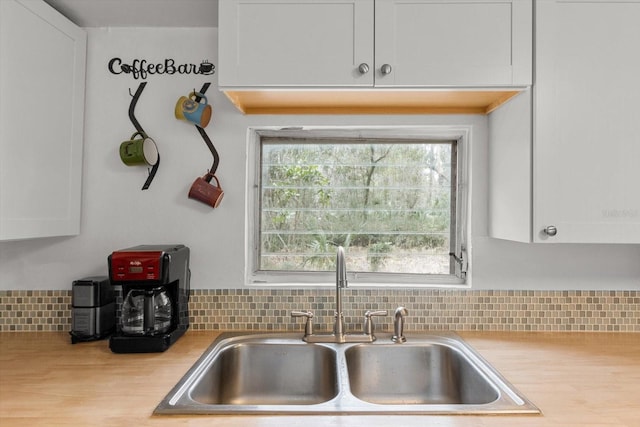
(136, 124)
(202, 190)
(205, 137)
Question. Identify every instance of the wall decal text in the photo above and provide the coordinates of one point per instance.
(141, 68)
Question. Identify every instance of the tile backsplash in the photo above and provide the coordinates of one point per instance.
(269, 309)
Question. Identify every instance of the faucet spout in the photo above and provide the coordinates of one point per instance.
(398, 325)
(341, 282)
(341, 269)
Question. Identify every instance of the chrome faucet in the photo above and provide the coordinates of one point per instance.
(339, 335)
(398, 325)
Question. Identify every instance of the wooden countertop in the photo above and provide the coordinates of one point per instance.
(576, 379)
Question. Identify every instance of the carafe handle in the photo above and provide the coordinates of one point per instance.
(149, 312)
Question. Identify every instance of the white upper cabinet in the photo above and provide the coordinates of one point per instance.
(42, 80)
(295, 43)
(584, 185)
(367, 43)
(587, 106)
(471, 43)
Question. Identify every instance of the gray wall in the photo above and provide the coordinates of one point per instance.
(116, 214)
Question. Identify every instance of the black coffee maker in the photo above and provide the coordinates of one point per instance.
(152, 284)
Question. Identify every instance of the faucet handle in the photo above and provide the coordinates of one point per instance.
(370, 313)
(308, 326)
(368, 323)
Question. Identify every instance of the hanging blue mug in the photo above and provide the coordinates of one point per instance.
(190, 109)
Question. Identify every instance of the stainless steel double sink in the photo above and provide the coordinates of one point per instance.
(281, 374)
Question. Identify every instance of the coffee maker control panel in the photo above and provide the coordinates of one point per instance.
(134, 266)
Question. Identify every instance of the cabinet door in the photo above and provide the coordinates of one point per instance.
(295, 43)
(462, 43)
(509, 171)
(42, 77)
(586, 101)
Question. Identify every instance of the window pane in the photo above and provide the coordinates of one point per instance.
(388, 203)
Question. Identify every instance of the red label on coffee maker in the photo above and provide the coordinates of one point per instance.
(127, 266)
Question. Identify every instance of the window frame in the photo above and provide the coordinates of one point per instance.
(262, 278)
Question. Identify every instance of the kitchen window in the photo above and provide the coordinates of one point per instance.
(394, 198)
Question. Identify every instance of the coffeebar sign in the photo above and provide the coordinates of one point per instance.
(141, 68)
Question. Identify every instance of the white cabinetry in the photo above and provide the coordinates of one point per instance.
(468, 43)
(42, 80)
(584, 185)
(295, 42)
(338, 43)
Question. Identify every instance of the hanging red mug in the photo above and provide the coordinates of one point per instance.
(204, 191)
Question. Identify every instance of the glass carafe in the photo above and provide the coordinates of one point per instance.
(147, 311)
(133, 312)
(162, 310)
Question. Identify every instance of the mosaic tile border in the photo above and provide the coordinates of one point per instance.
(457, 310)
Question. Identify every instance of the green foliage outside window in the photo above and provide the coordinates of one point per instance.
(389, 203)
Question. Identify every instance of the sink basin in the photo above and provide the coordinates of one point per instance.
(416, 375)
(268, 374)
(281, 374)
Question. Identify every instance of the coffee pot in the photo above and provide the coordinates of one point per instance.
(146, 311)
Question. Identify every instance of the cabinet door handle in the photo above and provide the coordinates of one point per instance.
(386, 69)
(550, 231)
(363, 68)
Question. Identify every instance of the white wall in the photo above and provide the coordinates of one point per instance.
(117, 214)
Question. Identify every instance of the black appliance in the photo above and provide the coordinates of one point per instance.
(152, 283)
(93, 309)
